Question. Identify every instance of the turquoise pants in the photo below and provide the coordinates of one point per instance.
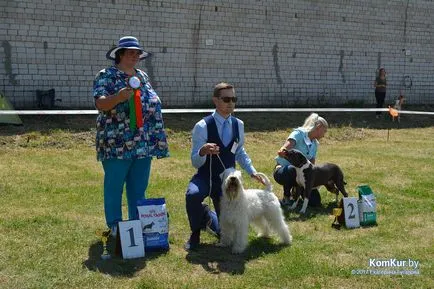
(135, 174)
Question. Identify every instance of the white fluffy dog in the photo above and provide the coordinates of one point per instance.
(240, 207)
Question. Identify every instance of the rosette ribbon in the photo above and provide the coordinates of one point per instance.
(136, 117)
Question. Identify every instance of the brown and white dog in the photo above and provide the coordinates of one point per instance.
(398, 106)
(310, 176)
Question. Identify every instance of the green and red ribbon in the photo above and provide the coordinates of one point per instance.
(136, 116)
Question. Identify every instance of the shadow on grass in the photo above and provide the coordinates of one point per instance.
(270, 121)
(218, 260)
(258, 121)
(45, 123)
(263, 121)
(116, 266)
(311, 212)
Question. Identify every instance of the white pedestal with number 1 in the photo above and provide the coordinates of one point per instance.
(351, 210)
(131, 236)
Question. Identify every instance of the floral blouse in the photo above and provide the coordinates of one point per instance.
(114, 138)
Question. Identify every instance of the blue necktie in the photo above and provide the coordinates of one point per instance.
(226, 133)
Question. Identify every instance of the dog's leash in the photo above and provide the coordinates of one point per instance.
(223, 165)
(210, 176)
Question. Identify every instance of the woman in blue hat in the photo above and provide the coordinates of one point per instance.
(129, 128)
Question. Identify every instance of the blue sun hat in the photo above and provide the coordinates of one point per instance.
(127, 42)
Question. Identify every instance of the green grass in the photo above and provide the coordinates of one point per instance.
(51, 205)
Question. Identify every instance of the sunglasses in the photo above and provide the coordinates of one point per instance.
(228, 99)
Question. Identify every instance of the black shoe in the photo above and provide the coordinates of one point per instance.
(193, 241)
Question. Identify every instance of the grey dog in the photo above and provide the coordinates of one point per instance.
(310, 176)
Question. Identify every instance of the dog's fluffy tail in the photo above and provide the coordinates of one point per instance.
(268, 184)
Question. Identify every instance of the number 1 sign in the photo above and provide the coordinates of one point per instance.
(351, 210)
(130, 233)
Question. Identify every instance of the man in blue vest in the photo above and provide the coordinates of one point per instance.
(217, 142)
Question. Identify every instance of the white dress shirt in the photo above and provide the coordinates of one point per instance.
(199, 138)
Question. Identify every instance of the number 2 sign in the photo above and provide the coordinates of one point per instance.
(131, 239)
(351, 210)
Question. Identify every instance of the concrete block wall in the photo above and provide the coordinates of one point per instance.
(277, 53)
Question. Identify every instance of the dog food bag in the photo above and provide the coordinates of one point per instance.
(153, 216)
(367, 206)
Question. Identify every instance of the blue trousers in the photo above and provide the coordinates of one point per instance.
(135, 174)
(198, 213)
(286, 176)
